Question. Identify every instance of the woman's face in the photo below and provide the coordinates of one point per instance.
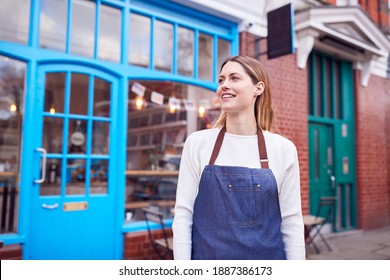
(236, 92)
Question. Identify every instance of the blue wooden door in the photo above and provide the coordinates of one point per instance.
(73, 189)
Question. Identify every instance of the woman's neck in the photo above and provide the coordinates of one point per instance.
(241, 126)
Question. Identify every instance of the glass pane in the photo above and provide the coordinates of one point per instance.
(79, 94)
(52, 135)
(14, 20)
(99, 176)
(328, 88)
(224, 51)
(337, 97)
(12, 85)
(185, 52)
(54, 92)
(75, 176)
(139, 40)
(52, 183)
(205, 61)
(53, 24)
(100, 138)
(155, 139)
(101, 98)
(83, 28)
(163, 46)
(110, 33)
(77, 136)
(318, 93)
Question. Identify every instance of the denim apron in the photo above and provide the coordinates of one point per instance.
(236, 212)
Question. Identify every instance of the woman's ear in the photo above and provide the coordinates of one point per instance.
(259, 88)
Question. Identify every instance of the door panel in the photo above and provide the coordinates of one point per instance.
(322, 180)
(73, 196)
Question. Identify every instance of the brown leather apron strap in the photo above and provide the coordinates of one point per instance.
(217, 145)
(261, 147)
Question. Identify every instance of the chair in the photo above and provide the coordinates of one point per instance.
(314, 223)
(163, 246)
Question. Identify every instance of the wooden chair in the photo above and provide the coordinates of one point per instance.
(314, 223)
(163, 246)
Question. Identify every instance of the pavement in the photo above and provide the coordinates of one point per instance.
(353, 245)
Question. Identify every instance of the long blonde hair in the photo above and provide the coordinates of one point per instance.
(263, 106)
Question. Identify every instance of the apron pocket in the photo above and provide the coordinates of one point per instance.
(244, 205)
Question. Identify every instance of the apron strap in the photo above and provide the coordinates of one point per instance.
(261, 147)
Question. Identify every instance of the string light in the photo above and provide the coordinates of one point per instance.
(52, 111)
(201, 111)
(172, 109)
(139, 103)
(13, 107)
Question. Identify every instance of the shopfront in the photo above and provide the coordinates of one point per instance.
(97, 98)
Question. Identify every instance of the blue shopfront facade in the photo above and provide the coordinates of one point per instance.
(96, 97)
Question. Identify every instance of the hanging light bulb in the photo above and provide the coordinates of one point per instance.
(201, 111)
(172, 108)
(52, 111)
(13, 107)
(139, 103)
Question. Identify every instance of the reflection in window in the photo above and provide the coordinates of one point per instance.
(99, 176)
(100, 137)
(53, 23)
(110, 33)
(12, 85)
(52, 183)
(101, 98)
(83, 28)
(79, 94)
(163, 46)
(52, 135)
(139, 40)
(75, 176)
(77, 136)
(185, 52)
(155, 139)
(224, 51)
(54, 92)
(14, 20)
(205, 57)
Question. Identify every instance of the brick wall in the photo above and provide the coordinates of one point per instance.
(373, 152)
(11, 252)
(289, 90)
(138, 245)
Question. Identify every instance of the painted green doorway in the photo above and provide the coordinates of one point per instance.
(332, 137)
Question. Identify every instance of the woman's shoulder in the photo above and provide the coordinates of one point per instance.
(278, 141)
(204, 134)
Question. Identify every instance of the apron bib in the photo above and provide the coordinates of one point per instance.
(236, 211)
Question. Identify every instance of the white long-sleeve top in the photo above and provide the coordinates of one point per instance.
(239, 150)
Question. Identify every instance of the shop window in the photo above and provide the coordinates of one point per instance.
(205, 64)
(12, 86)
(53, 24)
(83, 28)
(185, 52)
(163, 46)
(14, 20)
(139, 40)
(157, 129)
(110, 33)
(224, 51)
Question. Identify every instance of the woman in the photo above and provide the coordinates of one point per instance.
(238, 194)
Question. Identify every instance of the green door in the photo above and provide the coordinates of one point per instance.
(332, 137)
(321, 170)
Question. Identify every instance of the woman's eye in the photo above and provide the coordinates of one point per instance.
(235, 78)
(220, 81)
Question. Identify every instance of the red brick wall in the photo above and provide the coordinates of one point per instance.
(11, 252)
(289, 89)
(138, 245)
(373, 152)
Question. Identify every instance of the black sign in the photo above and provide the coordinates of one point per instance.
(280, 39)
